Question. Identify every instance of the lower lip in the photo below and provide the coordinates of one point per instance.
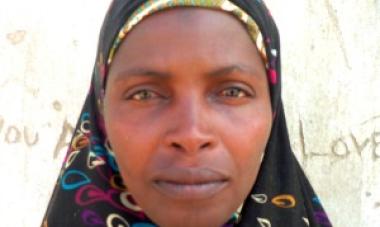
(190, 191)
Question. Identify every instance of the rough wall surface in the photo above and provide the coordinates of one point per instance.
(331, 67)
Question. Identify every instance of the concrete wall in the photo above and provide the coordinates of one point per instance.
(331, 63)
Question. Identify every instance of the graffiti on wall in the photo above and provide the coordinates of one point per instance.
(16, 37)
(351, 143)
(12, 134)
(64, 138)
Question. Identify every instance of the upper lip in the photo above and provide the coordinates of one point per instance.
(190, 176)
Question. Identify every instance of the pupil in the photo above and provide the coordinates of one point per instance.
(145, 95)
(233, 92)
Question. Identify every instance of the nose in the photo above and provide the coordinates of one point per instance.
(190, 129)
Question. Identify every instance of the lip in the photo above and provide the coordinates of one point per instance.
(190, 183)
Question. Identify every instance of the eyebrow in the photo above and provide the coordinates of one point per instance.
(139, 71)
(230, 69)
(145, 72)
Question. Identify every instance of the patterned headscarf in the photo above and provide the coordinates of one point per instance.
(89, 190)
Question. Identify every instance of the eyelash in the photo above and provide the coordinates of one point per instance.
(148, 94)
(241, 92)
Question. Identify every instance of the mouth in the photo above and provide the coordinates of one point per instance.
(190, 184)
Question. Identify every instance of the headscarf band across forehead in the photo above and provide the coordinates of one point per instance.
(89, 189)
(152, 6)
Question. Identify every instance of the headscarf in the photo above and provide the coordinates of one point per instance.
(90, 191)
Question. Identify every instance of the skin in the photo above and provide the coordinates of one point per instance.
(187, 105)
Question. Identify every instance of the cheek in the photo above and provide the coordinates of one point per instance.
(246, 137)
(247, 148)
(253, 136)
(132, 140)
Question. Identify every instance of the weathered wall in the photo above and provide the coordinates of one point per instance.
(331, 63)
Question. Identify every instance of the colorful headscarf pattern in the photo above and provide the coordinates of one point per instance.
(90, 191)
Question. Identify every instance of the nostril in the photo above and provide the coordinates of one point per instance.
(205, 145)
(176, 145)
(179, 146)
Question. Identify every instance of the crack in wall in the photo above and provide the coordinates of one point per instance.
(334, 18)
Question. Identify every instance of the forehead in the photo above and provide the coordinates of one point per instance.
(191, 21)
(151, 7)
(189, 16)
(175, 30)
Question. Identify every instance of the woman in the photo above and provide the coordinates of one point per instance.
(184, 124)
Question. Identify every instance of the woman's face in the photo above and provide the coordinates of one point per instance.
(188, 115)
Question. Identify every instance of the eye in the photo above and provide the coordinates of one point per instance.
(235, 92)
(143, 95)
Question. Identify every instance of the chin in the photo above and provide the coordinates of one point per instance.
(214, 213)
(195, 218)
(192, 210)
